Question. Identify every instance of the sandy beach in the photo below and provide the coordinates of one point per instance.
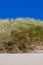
(21, 59)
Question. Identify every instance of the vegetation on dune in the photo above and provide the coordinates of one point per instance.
(20, 35)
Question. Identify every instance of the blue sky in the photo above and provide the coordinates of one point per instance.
(21, 8)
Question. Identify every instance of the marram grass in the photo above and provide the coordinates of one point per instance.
(20, 35)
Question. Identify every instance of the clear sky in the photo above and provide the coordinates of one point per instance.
(21, 8)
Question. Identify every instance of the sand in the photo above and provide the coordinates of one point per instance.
(21, 59)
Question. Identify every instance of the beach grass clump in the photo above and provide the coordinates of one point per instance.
(20, 35)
